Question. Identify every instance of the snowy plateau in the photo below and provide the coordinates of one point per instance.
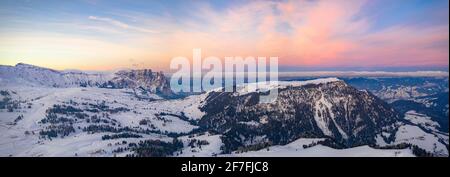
(44, 112)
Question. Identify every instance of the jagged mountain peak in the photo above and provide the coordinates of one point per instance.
(143, 79)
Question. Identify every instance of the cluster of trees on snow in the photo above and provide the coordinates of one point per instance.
(8, 103)
(53, 131)
(332, 144)
(305, 146)
(254, 147)
(143, 122)
(121, 135)
(148, 123)
(53, 118)
(62, 117)
(197, 143)
(19, 118)
(59, 120)
(155, 148)
(416, 150)
(102, 107)
(107, 128)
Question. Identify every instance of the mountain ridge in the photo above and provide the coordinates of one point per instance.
(25, 74)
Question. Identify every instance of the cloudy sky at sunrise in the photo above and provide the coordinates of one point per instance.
(111, 34)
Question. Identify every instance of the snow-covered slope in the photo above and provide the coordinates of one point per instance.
(416, 136)
(297, 149)
(23, 131)
(422, 120)
(420, 131)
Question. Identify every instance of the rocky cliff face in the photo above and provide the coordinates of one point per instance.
(142, 80)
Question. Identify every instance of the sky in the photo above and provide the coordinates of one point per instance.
(303, 34)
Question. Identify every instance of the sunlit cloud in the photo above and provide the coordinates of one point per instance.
(301, 33)
(323, 33)
(121, 24)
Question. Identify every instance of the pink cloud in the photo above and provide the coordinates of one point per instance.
(299, 32)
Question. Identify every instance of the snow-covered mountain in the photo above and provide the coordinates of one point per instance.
(30, 75)
(142, 81)
(322, 108)
(44, 112)
(316, 109)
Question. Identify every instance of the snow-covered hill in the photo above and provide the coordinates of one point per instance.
(41, 121)
(299, 148)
